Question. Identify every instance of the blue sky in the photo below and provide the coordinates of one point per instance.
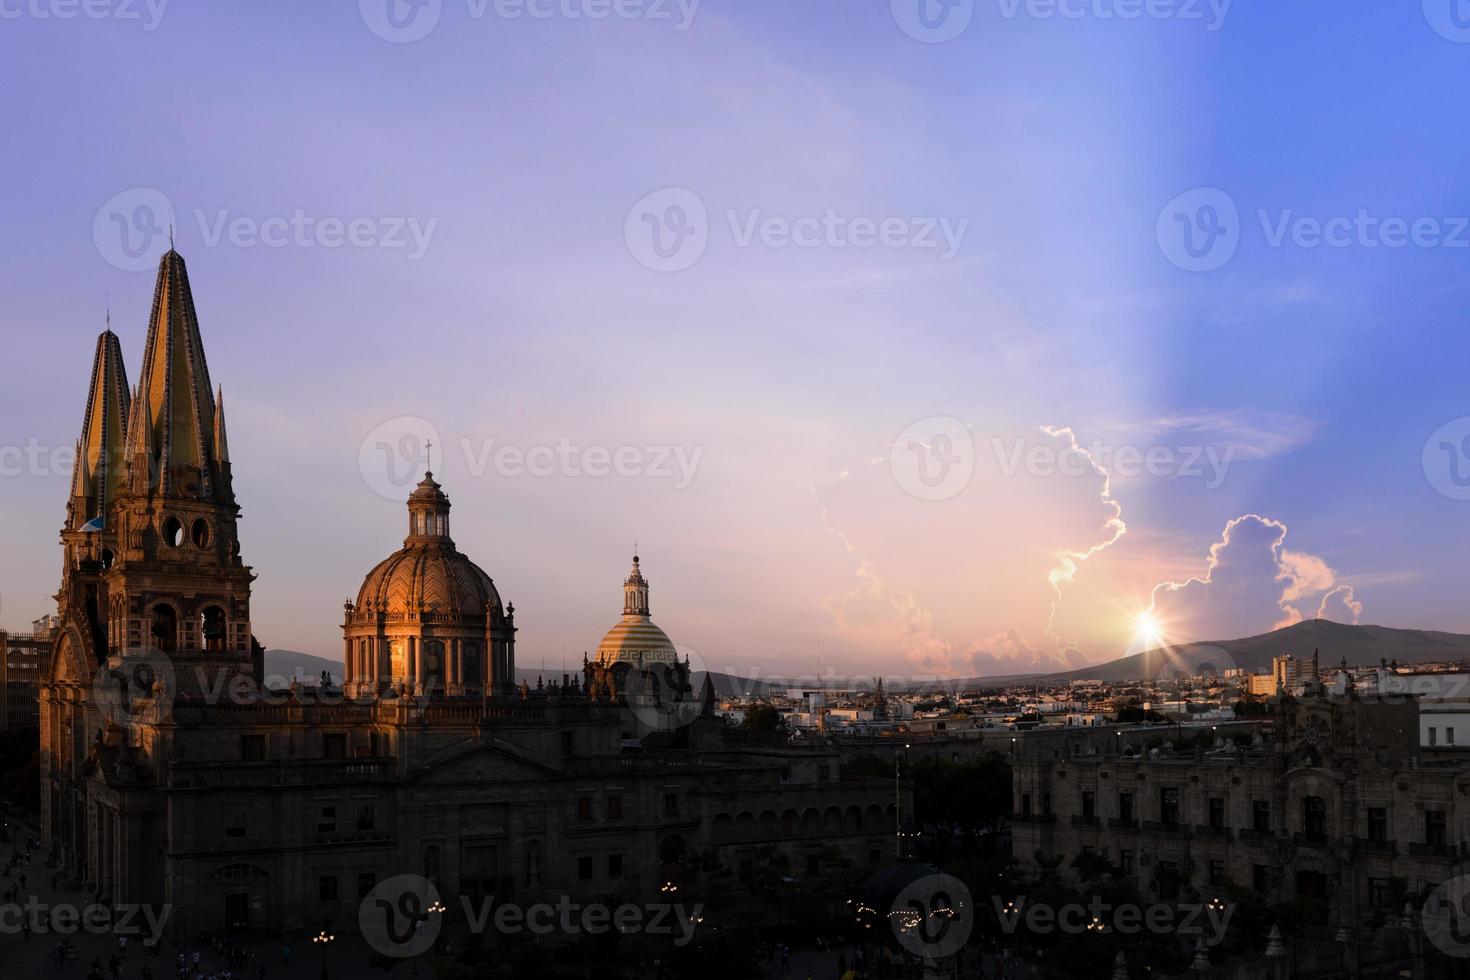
(530, 153)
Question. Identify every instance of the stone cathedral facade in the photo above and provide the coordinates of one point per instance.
(172, 774)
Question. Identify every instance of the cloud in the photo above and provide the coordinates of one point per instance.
(1246, 435)
(1112, 529)
(1252, 584)
(1341, 606)
(930, 575)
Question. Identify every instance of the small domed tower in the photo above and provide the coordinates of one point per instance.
(428, 621)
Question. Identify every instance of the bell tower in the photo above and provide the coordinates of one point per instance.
(177, 584)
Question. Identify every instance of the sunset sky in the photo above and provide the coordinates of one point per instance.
(922, 374)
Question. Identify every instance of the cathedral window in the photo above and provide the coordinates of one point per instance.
(212, 628)
(165, 628)
(173, 532)
(199, 533)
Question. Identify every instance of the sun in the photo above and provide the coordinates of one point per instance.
(1146, 632)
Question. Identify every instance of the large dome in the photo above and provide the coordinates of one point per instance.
(434, 579)
(635, 637)
(428, 573)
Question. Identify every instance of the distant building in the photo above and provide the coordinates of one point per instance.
(22, 666)
(1333, 807)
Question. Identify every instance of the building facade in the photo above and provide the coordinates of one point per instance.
(170, 774)
(1331, 805)
(23, 659)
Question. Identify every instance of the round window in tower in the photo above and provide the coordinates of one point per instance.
(173, 532)
(199, 533)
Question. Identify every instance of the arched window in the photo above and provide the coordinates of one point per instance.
(165, 628)
(431, 864)
(212, 628)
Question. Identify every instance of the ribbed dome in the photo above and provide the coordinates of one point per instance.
(435, 578)
(428, 572)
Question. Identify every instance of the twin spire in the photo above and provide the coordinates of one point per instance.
(97, 471)
(165, 437)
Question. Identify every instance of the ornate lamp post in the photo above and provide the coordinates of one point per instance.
(323, 939)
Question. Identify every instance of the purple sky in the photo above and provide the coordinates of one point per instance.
(836, 403)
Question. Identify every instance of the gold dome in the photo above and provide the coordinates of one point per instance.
(434, 579)
(636, 636)
(428, 573)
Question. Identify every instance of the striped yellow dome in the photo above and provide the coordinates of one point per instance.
(636, 636)
(627, 640)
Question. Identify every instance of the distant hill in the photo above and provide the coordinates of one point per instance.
(293, 663)
(1360, 645)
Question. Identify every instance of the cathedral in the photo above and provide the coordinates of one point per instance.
(171, 773)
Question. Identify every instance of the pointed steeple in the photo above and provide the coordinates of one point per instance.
(221, 441)
(97, 472)
(175, 387)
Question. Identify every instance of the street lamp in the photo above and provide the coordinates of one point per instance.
(323, 939)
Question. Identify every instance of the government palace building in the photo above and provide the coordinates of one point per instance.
(172, 774)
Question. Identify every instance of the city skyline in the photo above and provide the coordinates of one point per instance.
(769, 388)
